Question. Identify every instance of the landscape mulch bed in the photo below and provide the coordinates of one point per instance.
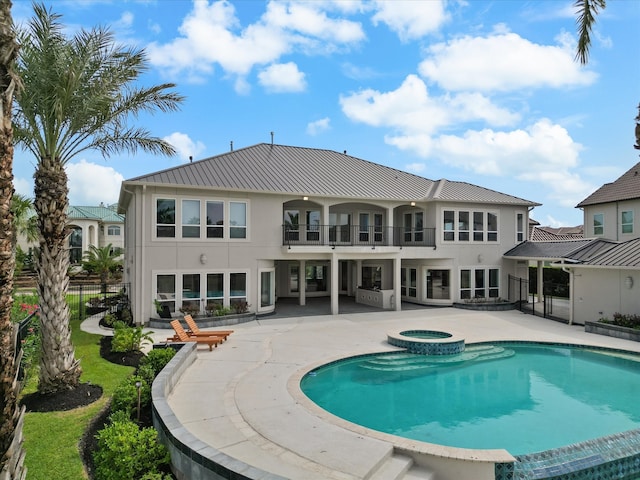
(84, 394)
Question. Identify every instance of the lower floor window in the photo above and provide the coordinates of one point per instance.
(479, 283)
(438, 284)
(201, 292)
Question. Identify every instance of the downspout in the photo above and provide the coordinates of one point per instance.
(570, 272)
(139, 259)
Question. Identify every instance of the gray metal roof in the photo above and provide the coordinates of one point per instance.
(587, 252)
(573, 250)
(627, 187)
(310, 171)
(624, 254)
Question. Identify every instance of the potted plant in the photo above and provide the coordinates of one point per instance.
(162, 309)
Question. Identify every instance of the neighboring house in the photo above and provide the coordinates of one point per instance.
(604, 268)
(99, 226)
(272, 221)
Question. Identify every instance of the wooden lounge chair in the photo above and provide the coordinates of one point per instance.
(195, 330)
(182, 336)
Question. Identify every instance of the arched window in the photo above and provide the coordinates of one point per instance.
(75, 245)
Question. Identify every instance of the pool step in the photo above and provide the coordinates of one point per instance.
(401, 467)
(400, 362)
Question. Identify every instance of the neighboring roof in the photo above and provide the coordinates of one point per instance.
(550, 234)
(311, 171)
(101, 213)
(575, 251)
(627, 187)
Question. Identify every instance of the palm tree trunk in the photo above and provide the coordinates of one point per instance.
(59, 369)
(11, 415)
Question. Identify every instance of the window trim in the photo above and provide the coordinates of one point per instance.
(453, 236)
(226, 227)
(601, 226)
(109, 227)
(626, 224)
(520, 229)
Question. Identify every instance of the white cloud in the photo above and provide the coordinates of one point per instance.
(415, 167)
(23, 186)
(282, 77)
(503, 62)
(410, 19)
(412, 111)
(543, 153)
(185, 146)
(90, 183)
(319, 126)
(212, 35)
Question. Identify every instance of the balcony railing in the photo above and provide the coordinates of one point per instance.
(357, 235)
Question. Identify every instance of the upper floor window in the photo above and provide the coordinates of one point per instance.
(215, 219)
(190, 218)
(237, 220)
(183, 218)
(519, 227)
(166, 217)
(478, 226)
(598, 224)
(626, 221)
(458, 224)
(113, 230)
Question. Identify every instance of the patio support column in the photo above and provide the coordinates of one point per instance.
(358, 273)
(335, 286)
(397, 270)
(325, 221)
(540, 279)
(389, 234)
(302, 283)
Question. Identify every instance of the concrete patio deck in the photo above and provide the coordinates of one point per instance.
(243, 399)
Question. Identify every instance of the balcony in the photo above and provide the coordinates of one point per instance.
(357, 235)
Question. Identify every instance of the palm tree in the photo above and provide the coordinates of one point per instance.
(11, 415)
(79, 94)
(102, 260)
(586, 11)
(25, 222)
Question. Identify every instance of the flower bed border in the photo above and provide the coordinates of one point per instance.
(611, 330)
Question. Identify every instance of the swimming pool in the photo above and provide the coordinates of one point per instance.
(521, 397)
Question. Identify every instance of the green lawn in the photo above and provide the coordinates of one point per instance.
(51, 439)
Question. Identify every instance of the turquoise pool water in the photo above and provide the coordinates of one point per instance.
(520, 397)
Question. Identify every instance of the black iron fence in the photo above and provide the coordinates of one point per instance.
(355, 235)
(553, 304)
(90, 299)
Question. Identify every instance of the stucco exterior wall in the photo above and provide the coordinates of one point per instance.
(612, 228)
(263, 249)
(602, 292)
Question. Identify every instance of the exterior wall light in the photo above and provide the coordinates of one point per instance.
(305, 198)
(203, 259)
(413, 204)
(628, 282)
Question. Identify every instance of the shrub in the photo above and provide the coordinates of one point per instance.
(222, 311)
(147, 373)
(621, 320)
(125, 451)
(240, 307)
(158, 358)
(128, 339)
(109, 320)
(125, 396)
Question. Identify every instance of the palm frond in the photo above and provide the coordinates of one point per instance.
(80, 93)
(586, 11)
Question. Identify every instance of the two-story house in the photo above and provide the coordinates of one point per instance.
(272, 221)
(604, 267)
(88, 226)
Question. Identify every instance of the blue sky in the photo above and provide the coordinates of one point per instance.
(485, 92)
